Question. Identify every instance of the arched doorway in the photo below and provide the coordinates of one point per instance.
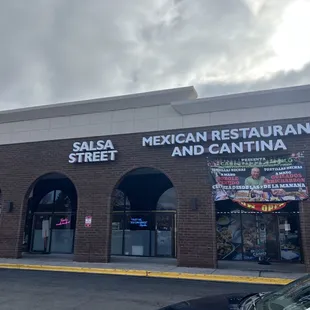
(144, 215)
(51, 215)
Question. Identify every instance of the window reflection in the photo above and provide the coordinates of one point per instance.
(120, 201)
(168, 200)
(48, 198)
(62, 202)
(55, 201)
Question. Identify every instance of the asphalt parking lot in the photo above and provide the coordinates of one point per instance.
(34, 290)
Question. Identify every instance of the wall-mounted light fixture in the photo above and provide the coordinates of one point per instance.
(10, 206)
(194, 204)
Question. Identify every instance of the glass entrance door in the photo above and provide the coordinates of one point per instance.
(41, 233)
(270, 222)
(165, 223)
(53, 233)
(289, 235)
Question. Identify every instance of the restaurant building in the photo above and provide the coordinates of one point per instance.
(159, 174)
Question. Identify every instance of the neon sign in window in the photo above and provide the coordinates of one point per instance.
(138, 221)
(63, 221)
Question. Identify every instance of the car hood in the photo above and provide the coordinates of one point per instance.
(218, 302)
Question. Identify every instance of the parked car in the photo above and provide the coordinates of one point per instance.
(293, 296)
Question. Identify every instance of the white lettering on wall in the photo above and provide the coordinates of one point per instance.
(92, 151)
(147, 141)
(259, 139)
(191, 150)
(180, 138)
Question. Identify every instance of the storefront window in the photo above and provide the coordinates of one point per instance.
(46, 204)
(164, 234)
(120, 201)
(54, 224)
(247, 235)
(48, 198)
(269, 234)
(229, 236)
(289, 237)
(168, 200)
(117, 234)
(62, 233)
(41, 233)
(62, 202)
(137, 234)
(144, 233)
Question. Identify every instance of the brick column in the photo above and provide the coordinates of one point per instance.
(196, 226)
(92, 243)
(12, 223)
(304, 215)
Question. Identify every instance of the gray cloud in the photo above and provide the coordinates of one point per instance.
(280, 79)
(55, 50)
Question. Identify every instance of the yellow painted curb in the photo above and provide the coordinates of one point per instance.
(220, 278)
(150, 274)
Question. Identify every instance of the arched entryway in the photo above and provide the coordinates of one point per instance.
(51, 215)
(144, 215)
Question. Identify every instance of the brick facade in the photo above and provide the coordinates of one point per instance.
(23, 164)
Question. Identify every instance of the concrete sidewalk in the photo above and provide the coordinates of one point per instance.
(155, 268)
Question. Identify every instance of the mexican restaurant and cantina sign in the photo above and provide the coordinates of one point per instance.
(228, 141)
(276, 179)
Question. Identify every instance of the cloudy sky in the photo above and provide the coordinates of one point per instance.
(64, 50)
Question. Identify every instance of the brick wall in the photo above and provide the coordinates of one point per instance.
(22, 164)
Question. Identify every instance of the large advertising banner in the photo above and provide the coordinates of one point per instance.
(274, 179)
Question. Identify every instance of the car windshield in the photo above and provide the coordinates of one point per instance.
(294, 296)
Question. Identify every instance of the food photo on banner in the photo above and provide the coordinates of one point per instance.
(259, 180)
